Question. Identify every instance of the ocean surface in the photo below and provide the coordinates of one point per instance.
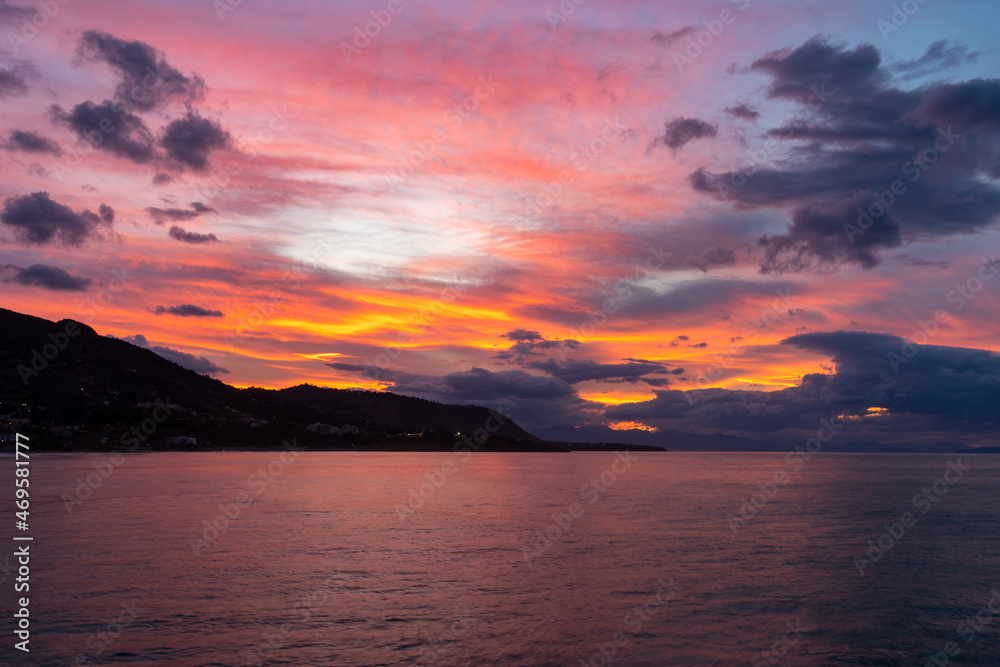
(594, 558)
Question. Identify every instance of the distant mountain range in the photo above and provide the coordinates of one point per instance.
(718, 442)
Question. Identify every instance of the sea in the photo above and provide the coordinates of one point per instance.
(521, 559)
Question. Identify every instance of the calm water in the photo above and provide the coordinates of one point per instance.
(322, 566)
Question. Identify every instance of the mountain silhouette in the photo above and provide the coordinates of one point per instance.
(85, 390)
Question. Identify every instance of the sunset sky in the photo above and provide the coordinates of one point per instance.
(527, 205)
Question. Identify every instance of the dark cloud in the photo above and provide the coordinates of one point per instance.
(528, 343)
(678, 340)
(744, 111)
(146, 80)
(681, 131)
(938, 391)
(38, 219)
(161, 178)
(929, 393)
(184, 236)
(30, 142)
(187, 310)
(12, 84)
(817, 238)
(939, 56)
(189, 361)
(862, 137)
(109, 127)
(715, 257)
(353, 368)
(573, 371)
(45, 276)
(162, 215)
(798, 73)
(952, 384)
(522, 335)
(107, 213)
(971, 105)
(667, 39)
(191, 139)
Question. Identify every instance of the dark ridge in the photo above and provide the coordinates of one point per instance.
(85, 391)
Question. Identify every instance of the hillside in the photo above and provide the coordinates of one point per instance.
(96, 388)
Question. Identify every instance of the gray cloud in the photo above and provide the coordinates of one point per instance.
(715, 257)
(191, 139)
(109, 127)
(37, 219)
(528, 343)
(863, 134)
(937, 390)
(12, 84)
(667, 39)
(146, 80)
(573, 371)
(939, 56)
(189, 361)
(30, 142)
(45, 276)
(184, 236)
(682, 131)
(107, 213)
(162, 215)
(743, 111)
(187, 310)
